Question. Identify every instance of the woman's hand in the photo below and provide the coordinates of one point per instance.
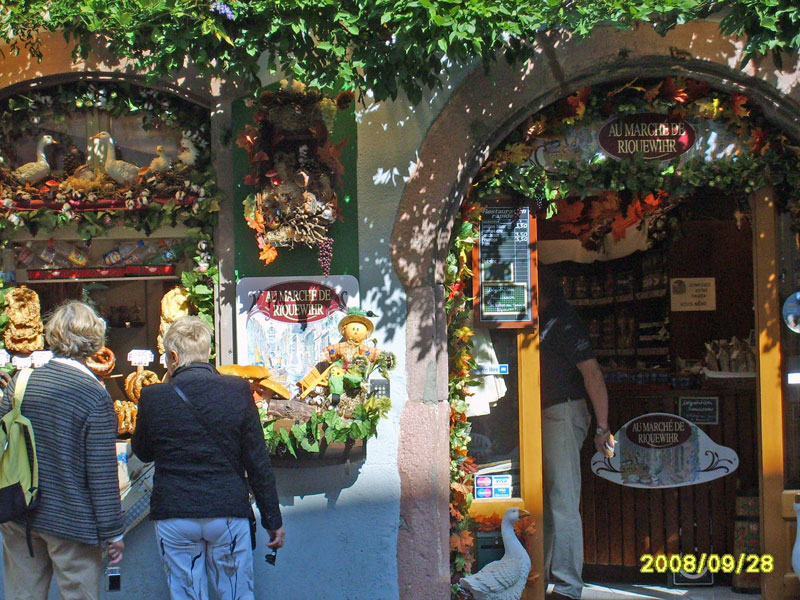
(276, 538)
(114, 550)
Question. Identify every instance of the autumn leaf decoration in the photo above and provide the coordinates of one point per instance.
(462, 541)
(738, 107)
(576, 105)
(674, 90)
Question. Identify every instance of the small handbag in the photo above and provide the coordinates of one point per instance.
(251, 517)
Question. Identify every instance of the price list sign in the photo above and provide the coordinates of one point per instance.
(503, 266)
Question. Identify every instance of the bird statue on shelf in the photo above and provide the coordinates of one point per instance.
(188, 154)
(160, 163)
(34, 172)
(502, 579)
(120, 171)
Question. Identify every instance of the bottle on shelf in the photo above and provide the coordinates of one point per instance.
(120, 253)
(51, 258)
(169, 252)
(144, 250)
(8, 273)
(76, 255)
(27, 257)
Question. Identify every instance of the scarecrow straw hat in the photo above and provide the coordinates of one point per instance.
(356, 315)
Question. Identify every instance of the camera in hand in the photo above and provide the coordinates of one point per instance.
(272, 556)
(113, 579)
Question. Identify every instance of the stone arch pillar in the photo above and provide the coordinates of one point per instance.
(478, 116)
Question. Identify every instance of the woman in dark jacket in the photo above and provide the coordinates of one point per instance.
(200, 500)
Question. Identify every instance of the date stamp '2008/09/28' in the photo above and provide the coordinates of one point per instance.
(715, 563)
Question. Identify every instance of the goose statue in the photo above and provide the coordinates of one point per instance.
(120, 171)
(34, 172)
(188, 154)
(160, 163)
(502, 579)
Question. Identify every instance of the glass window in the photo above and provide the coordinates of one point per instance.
(789, 298)
(494, 414)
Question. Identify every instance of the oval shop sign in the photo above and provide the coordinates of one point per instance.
(654, 136)
(662, 450)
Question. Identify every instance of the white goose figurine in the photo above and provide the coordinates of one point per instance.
(160, 163)
(34, 172)
(188, 154)
(502, 579)
(120, 171)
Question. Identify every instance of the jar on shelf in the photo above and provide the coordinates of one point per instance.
(580, 289)
(595, 286)
(566, 285)
(608, 285)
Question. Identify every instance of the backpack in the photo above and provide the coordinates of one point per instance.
(19, 476)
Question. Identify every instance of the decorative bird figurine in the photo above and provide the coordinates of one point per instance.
(188, 154)
(34, 172)
(160, 163)
(120, 171)
(502, 579)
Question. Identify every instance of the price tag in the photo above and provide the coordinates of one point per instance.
(5, 357)
(41, 357)
(140, 358)
(22, 362)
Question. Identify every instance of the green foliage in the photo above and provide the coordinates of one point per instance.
(387, 46)
(325, 427)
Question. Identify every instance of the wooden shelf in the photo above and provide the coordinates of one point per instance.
(26, 281)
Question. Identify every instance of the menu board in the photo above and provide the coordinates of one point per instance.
(503, 266)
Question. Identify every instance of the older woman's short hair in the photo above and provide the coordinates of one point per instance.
(74, 330)
(190, 337)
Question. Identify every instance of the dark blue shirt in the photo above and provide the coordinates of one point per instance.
(564, 343)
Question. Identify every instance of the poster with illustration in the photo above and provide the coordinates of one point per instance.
(283, 323)
(662, 450)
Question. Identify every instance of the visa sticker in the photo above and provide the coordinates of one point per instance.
(502, 492)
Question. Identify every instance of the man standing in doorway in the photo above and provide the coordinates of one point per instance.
(570, 374)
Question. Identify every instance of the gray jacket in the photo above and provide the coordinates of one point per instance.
(75, 429)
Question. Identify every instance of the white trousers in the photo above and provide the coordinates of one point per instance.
(194, 551)
(564, 428)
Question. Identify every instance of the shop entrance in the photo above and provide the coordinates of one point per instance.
(655, 359)
(661, 356)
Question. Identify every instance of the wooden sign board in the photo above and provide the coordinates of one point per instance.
(503, 267)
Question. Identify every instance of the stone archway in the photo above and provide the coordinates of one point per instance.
(479, 115)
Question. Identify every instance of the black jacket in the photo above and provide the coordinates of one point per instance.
(193, 479)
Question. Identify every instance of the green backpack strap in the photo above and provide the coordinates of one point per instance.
(16, 405)
(19, 388)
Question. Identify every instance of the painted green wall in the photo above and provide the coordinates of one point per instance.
(299, 260)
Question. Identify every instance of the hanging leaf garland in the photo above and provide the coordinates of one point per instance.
(295, 168)
(461, 365)
(769, 158)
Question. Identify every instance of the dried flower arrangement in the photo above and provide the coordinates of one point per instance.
(295, 169)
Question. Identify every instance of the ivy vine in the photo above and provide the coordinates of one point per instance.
(635, 189)
(386, 46)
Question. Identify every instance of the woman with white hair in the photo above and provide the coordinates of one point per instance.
(79, 512)
(203, 433)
